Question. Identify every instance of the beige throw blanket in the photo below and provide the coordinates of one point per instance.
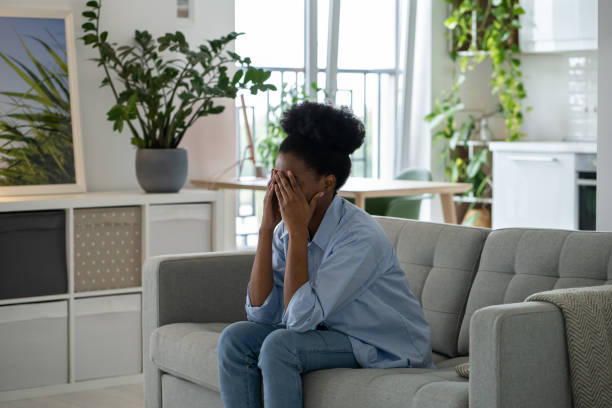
(588, 330)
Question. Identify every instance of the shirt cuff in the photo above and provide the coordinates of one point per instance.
(300, 314)
(258, 313)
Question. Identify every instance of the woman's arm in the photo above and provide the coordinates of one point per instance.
(296, 269)
(341, 278)
(262, 278)
(296, 212)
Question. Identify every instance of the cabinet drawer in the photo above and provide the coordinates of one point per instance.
(536, 190)
(179, 228)
(107, 246)
(108, 336)
(32, 254)
(33, 345)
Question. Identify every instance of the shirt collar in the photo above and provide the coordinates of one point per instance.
(328, 225)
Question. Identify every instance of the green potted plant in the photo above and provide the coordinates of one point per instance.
(479, 30)
(161, 87)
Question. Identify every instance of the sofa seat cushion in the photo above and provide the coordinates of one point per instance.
(389, 388)
(188, 351)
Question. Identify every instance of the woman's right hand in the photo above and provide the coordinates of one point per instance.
(271, 211)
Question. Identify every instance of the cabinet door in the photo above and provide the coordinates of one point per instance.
(108, 336)
(558, 25)
(534, 190)
(33, 345)
(179, 228)
(32, 254)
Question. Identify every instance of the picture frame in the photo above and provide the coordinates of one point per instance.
(41, 149)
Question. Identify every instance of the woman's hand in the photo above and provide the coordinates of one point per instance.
(271, 211)
(295, 210)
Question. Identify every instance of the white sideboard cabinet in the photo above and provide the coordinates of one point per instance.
(558, 25)
(535, 184)
(71, 273)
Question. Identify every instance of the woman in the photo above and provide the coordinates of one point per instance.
(326, 289)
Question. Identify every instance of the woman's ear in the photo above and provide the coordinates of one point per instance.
(330, 182)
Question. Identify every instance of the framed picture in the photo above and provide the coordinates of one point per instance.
(40, 131)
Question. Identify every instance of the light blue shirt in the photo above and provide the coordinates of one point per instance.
(355, 286)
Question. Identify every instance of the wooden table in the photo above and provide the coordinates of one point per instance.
(362, 188)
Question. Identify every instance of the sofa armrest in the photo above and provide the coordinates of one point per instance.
(207, 287)
(518, 357)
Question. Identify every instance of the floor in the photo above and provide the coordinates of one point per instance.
(123, 396)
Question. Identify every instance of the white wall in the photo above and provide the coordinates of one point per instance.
(475, 93)
(604, 123)
(109, 156)
(442, 70)
(545, 77)
(211, 142)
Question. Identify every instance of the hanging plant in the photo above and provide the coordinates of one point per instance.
(480, 30)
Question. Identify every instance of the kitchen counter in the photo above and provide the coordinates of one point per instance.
(544, 147)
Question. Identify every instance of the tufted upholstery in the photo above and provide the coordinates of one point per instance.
(185, 297)
(518, 262)
(440, 261)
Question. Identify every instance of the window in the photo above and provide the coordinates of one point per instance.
(366, 77)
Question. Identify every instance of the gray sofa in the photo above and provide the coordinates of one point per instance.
(471, 283)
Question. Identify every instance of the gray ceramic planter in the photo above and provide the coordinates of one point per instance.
(161, 170)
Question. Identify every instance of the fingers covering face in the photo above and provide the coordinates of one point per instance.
(292, 180)
(282, 199)
(283, 181)
(284, 187)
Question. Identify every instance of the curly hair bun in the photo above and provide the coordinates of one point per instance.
(333, 128)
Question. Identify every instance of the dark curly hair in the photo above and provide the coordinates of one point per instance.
(322, 136)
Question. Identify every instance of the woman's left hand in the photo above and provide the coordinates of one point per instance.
(295, 209)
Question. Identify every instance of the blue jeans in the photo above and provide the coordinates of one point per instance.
(249, 351)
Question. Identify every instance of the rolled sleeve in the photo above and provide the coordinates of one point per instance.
(301, 313)
(269, 311)
(349, 270)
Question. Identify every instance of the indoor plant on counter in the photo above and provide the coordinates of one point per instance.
(479, 31)
(161, 87)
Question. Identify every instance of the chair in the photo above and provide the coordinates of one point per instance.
(400, 207)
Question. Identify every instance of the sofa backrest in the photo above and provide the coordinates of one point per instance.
(518, 262)
(440, 261)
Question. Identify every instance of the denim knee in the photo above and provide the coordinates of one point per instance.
(278, 348)
(232, 338)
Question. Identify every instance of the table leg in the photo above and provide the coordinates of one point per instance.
(360, 201)
(448, 208)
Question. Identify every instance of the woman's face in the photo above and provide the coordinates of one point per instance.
(310, 182)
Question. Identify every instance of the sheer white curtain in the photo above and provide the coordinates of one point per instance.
(414, 85)
(413, 137)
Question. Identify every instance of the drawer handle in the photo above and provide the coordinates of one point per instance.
(534, 159)
(587, 182)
